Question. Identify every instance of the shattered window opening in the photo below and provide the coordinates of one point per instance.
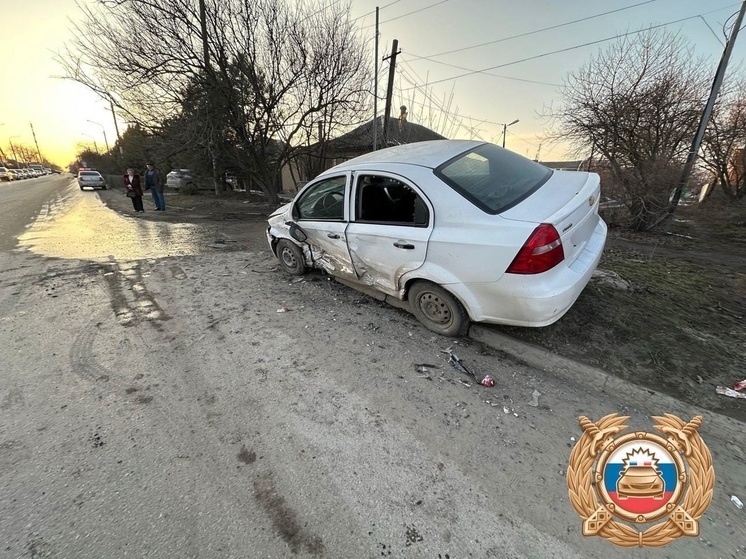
(387, 200)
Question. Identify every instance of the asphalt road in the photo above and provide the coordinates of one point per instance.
(155, 403)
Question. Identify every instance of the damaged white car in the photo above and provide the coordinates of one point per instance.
(461, 230)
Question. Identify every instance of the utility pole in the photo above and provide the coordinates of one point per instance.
(389, 91)
(116, 127)
(13, 149)
(697, 142)
(207, 81)
(35, 142)
(375, 91)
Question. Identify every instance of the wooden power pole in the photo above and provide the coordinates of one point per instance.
(389, 92)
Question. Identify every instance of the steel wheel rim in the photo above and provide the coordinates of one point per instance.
(434, 308)
(288, 258)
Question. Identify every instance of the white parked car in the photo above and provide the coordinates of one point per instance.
(91, 179)
(462, 230)
(5, 174)
(179, 178)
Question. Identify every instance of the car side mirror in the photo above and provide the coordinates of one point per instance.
(296, 232)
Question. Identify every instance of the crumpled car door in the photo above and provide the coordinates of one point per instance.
(321, 210)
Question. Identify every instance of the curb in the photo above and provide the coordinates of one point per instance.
(589, 377)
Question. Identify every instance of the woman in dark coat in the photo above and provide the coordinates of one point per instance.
(134, 190)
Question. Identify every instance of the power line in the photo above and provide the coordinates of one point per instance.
(558, 51)
(373, 12)
(414, 12)
(538, 30)
(488, 74)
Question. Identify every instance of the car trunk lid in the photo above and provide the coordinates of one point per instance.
(568, 201)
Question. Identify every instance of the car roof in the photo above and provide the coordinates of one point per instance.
(428, 154)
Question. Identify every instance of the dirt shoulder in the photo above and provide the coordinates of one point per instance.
(669, 316)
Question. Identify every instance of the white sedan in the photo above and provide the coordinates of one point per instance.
(462, 230)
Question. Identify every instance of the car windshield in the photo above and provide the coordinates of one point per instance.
(492, 178)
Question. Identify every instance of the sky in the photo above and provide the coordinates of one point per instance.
(65, 115)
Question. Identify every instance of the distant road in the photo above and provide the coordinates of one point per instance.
(21, 201)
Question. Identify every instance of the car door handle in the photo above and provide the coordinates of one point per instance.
(403, 244)
(332, 235)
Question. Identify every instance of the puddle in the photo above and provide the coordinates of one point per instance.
(85, 228)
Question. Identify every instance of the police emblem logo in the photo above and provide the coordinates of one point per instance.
(640, 478)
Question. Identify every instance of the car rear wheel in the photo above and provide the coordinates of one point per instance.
(103, 187)
(291, 258)
(438, 310)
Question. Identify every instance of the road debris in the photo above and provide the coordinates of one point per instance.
(457, 364)
(283, 309)
(740, 385)
(736, 501)
(535, 398)
(725, 391)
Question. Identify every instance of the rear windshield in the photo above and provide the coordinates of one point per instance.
(89, 174)
(492, 178)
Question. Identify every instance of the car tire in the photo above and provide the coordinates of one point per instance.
(103, 187)
(438, 310)
(291, 258)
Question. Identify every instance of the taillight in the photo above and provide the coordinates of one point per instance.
(541, 252)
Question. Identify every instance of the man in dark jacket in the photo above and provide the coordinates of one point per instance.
(154, 182)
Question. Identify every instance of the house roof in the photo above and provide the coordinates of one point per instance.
(361, 138)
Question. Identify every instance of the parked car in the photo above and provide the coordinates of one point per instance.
(92, 179)
(16, 173)
(179, 178)
(5, 174)
(25, 173)
(462, 230)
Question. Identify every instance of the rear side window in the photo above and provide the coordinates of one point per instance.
(387, 200)
(89, 174)
(492, 178)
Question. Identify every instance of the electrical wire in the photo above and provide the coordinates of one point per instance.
(538, 30)
(558, 51)
(411, 13)
(487, 73)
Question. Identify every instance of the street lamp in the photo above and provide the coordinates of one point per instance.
(505, 129)
(104, 131)
(95, 146)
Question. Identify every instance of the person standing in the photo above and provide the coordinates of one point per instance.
(154, 182)
(133, 189)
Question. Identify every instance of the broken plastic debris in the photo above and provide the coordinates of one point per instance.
(535, 398)
(506, 409)
(487, 381)
(736, 501)
(725, 391)
(740, 385)
(572, 439)
(283, 309)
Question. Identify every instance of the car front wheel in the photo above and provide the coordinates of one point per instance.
(291, 257)
(438, 310)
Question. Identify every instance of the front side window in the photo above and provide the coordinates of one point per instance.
(390, 201)
(324, 200)
(492, 178)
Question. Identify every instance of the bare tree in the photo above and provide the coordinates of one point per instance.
(636, 105)
(271, 71)
(724, 143)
